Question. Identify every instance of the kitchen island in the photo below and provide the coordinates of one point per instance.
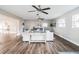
(38, 36)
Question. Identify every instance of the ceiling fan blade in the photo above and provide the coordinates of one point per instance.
(35, 7)
(39, 9)
(45, 9)
(44, 12)
(31, 11)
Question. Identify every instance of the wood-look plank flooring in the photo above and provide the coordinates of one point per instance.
(20, 47)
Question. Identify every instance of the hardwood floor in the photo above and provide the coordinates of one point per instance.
(20, 47)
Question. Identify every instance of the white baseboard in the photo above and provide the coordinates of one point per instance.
(68, 39)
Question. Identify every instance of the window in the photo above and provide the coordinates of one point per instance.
(75, 21)
(61, 23)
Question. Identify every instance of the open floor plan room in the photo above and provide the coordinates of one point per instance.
(39, 29)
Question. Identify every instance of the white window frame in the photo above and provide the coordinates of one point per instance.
(75, 21)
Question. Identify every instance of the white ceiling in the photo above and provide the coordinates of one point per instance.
(22, 11)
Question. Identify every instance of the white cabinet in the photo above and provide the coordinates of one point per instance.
(38, 37)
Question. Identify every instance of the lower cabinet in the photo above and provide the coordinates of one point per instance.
(38, 37)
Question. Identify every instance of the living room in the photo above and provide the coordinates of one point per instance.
(39, 29)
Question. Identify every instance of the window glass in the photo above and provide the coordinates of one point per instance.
(75, 21)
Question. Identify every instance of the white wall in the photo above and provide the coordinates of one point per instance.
(6, 21)
(71, 34)
(30, 23)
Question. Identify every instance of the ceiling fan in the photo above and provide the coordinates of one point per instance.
(38, 8)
